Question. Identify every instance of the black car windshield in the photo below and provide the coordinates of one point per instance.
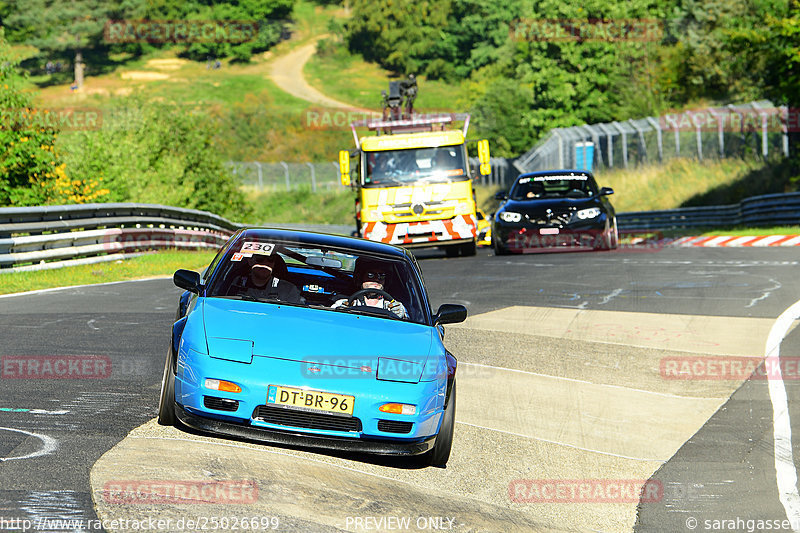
(409, 166)
(559, 185)
(309, 275)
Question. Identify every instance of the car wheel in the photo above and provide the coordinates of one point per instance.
(452, 250)
(615, 236)
(499, 249)
(166, 403)
(440, 453)
(469, 249)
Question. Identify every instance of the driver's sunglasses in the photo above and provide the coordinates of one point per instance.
(376, 276)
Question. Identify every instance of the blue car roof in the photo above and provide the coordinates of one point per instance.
(324, 239)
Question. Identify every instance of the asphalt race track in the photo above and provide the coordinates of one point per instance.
(590, 398)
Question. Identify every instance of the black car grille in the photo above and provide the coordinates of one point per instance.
(305, 419)
(220, 404)
(393, 426)
(556, 217)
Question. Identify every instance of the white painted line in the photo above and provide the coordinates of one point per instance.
(561, 443)
(665, 394)
(49, 445)
(53, 289)
(785, 471)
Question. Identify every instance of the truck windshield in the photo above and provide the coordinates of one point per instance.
(411, 166)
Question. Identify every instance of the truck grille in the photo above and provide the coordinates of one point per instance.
(305, 419)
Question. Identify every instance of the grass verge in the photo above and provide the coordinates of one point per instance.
(163, 263)
(669, 186)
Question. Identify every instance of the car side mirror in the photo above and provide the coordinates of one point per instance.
(500, 196)
(450, 314)
(605, 191)
(187, 280)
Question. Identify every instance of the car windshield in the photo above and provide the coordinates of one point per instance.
(317, 277)
(406, 167)
(564, 186)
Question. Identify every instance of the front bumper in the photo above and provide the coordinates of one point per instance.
(371, 429)
(459, 229)
(290, 438)
(530, 238)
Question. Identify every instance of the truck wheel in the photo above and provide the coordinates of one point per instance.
(468, 249)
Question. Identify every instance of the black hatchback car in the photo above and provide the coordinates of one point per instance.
(555, 209)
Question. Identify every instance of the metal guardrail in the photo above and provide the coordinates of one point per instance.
(765, 210)
(38, 238)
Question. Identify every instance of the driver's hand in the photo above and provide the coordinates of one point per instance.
(396, 308)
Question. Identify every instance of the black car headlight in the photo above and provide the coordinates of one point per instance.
(510, 216)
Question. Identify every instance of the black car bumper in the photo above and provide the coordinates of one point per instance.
(520, 238)
(290, 438)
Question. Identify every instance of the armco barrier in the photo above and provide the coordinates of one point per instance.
(38, 238)
(766, 210)
(35, 238)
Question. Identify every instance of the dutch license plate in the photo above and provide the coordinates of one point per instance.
(310, 400)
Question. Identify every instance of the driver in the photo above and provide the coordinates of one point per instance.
(373, 276)
(263, 283)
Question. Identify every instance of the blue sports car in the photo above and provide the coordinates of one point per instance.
(317, 340)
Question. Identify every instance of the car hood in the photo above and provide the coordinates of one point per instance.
(312, 335)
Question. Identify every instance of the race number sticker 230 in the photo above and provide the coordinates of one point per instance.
(259, 248)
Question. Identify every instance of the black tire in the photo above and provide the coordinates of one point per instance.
(166, 402)
(615, 236)
(499, 249)
(440, 453)
(452, 250)
(469, 249)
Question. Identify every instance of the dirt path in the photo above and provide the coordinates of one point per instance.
(287, 73)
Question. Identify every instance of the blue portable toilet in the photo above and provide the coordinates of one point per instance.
(584, 155)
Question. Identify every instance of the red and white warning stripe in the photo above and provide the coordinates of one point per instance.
(727, 241)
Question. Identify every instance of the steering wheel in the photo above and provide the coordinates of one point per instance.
(364, 292)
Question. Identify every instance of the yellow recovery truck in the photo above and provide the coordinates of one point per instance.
(413, 180)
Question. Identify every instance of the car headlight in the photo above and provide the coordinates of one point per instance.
(585, 214)
(510, 216)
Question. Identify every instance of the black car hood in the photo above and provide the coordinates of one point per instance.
(540, 205)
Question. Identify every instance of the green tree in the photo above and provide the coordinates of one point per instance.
(71, 28)
(26, 147)
(155, 153)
